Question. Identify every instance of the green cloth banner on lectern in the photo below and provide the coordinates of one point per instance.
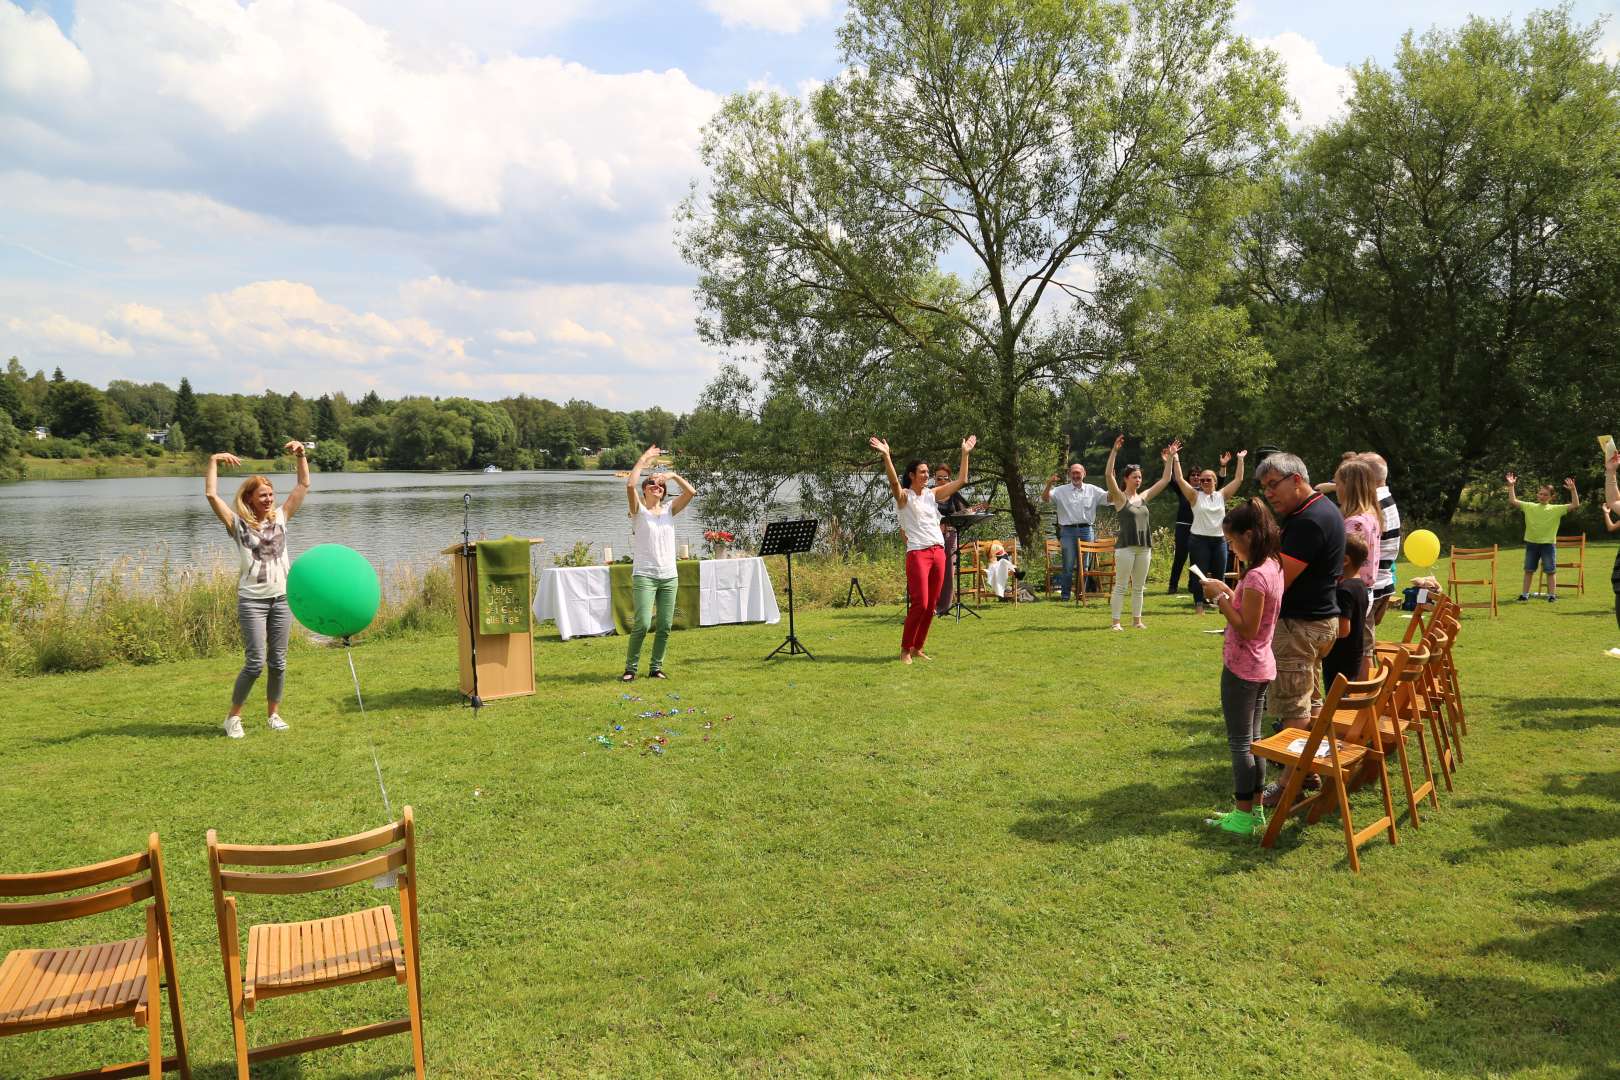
(503, 586)
(687, 595)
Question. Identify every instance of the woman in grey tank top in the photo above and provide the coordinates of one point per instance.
(1133, 550)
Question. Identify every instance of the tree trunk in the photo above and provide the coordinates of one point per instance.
(1026, 514)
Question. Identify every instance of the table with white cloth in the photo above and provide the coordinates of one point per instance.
(580, 598)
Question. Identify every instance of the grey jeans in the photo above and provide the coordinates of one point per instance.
(1243, 703)
(266, 625)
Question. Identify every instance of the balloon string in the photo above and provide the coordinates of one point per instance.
(374, 762)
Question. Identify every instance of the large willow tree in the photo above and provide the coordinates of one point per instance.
(996, 198)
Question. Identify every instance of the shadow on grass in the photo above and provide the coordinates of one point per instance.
(1454, 1023)
(1555, 713)
(138, 730)
(415, 698)
(292, 1069)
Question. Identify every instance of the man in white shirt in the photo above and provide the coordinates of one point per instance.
(1076, 503)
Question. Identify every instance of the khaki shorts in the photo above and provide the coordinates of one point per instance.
(1298, 647)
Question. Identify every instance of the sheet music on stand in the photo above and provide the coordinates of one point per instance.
(789, 538)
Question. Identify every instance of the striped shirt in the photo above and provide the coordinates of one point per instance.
(1389, 547)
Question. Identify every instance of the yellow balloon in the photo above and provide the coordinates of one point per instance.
(1422, 547)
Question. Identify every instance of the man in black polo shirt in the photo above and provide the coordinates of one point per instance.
(1312, 559)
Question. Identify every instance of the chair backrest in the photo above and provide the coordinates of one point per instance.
(1577, 541)
(1363, 696)
(144, 868)
(398, 840)
(1460, 554)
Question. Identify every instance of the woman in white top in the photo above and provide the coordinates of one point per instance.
(1133, 549)
(917, 506)
(652, 577)
(1207, 545)
(258, 528)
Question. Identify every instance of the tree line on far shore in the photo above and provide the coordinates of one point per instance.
(409, 433)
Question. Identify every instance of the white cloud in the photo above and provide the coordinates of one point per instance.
(516, 337)
(1317, 87)
(36, 61)
(780, 16)
(56, 333)
(569, 332)
(301, 110)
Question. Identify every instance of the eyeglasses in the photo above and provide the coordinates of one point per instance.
(1268, 486)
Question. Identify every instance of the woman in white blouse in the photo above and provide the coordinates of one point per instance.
(917, 507)
(652, 577)
(1207, 546)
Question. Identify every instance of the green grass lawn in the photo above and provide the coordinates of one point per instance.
(992, 865)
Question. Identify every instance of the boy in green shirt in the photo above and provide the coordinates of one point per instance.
(1541, 520)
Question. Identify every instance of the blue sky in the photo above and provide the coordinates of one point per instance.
(414, 196)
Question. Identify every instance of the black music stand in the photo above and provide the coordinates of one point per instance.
(961, 523)
(789, 538)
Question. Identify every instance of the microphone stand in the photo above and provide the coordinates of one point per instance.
(472, 594)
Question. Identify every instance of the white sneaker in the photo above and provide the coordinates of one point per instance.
(233, 727)
(276, 722)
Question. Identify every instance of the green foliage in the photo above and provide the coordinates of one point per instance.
(1439, 277)
(619, 457)
(494, 435)
(1088, 163)
(424, 436)
(329, 455)
(78, 410)
(150, 405)
(185, 406)
(177, 438)
(578, 555)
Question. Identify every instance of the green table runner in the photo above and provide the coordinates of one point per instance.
(503, 586)
(686, 595)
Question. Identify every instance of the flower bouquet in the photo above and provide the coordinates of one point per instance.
(719, 540)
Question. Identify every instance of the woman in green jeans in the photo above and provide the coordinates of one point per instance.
(652, 577)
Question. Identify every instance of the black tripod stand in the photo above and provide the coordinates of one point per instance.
(789, 538)
(961, 523)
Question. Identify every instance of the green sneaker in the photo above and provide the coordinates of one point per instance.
(1240, 822)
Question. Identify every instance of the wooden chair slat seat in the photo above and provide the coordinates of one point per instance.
(289, 957)
(58, 987)
(45, 988)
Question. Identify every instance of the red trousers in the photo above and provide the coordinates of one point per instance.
(925, 576)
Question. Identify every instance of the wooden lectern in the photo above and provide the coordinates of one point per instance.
(505, 661)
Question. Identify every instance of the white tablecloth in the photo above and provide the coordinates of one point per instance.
(580, 600)
(735, 591)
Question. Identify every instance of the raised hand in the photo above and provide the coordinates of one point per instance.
(228, 459)
(1242, 454)
(1226, 457)
(1569, 483)
(1512, 478)
(880, 445)
(1119, 442)
(969, 443)
(1055, 479)
(294, 447)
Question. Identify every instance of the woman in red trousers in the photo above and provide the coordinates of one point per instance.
(918, 509)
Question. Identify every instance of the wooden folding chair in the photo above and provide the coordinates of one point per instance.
(1455, 584)
(1438, 642)
(1403, 714)
(1096, 564)
(984, 561)
(1339, 766)
(1450, 689)
(51, 988)
(1054, 564)
(292, 958)
(1574, 548)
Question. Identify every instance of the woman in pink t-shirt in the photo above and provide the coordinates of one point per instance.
(1251, 617)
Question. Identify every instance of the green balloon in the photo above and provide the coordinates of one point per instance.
(333, 590)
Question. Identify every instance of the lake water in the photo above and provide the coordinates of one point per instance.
(391, 518)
